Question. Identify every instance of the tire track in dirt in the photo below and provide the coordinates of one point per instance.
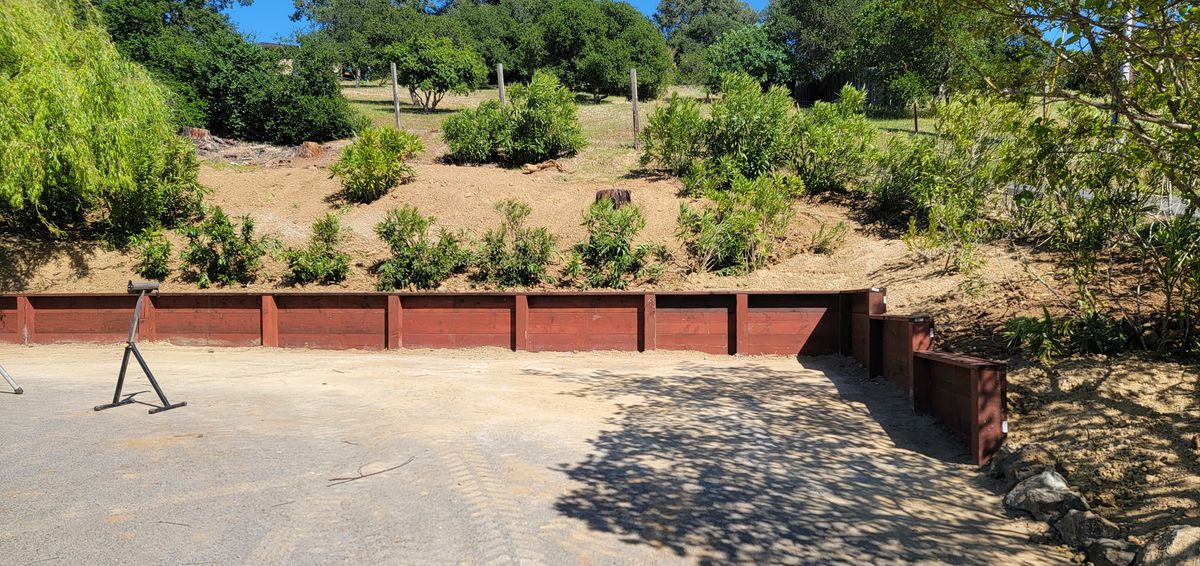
(503, 536)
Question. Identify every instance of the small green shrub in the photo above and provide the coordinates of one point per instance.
(906, 177)
(834, 143)
(475, 135)
(219, 253)
(609, 258)
(1049, 336)
(539, 123)
(738, 232)
(513, 254)
(418, 260)
(750, 127)
(321, 261)
(829, 238)
(154, 256)
(376, 163)
(674, 138)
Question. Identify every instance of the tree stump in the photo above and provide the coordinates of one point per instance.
(619, 197)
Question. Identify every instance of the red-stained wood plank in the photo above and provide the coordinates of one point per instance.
(11, 326)
(333, 321)
(209, 320)
(740, 318)
(147, 322)
(583, 323)
(101, 319)
(521, 324)
(270, 322)
(649, 323)
(446, 321)
(395, 322)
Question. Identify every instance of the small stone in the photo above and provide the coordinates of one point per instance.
(1046, 496)
(309, 150)
(1196, 442)
(1176, 546)
(1110, 552)
(1030, 460)
(1079, 528)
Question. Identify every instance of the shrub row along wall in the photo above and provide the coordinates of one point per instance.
(790, 323)
(968, 394)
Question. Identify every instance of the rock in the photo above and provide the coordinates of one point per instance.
(619, 197)
(1109, 552)
(1196, 442)
(1176, 546)
(1046, 496)
(309, 150)
(1080, 528)
(1030, 460)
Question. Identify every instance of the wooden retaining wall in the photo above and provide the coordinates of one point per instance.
(790, 323)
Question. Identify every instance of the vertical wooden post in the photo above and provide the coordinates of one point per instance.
(270, 322)
(500, 83)
(147, 326)
(740, 320)
(395, 323)
(649, 326)
(395, 96)
(634, 97)
(521, 323)
(24, 320)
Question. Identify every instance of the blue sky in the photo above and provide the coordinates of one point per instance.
(269, 20)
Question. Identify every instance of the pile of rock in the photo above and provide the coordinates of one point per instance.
(1036, 487)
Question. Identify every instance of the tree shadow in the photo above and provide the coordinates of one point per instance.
(405, 107)
(741, 463)
(21, 255)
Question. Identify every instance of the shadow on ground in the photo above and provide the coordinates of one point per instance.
(748, 464)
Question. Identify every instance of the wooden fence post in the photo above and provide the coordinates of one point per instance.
(521, 323)
(270, 322)
(500, 83)
(395, 323)
(395, 96)
(634, 97)
(649, 324)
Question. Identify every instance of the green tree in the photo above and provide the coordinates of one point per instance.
(748, 50)
(86, 139)
(692, 25)
(222, 81)
(431, 67)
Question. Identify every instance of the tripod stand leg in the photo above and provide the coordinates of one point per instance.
(117, 401)
(11, 382)
(166, 405)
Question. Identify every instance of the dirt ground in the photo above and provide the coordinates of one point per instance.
(1122, 430)
(484, 457)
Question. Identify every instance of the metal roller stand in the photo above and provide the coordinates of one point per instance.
(11, 382)
(131, 347)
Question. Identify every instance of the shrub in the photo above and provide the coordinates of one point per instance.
(834, 142)
(154, 256)
(904, 182)
(674, 137)
(609, 257)
(219, 253)
(1049, 336)
(513, 254)
(418, 260)
(86, 138)
(738, 232)
(829, 238)
(538, 124)
(749, 126)
(321, 261)
(749, 50)
(376, 163)
(476, 135)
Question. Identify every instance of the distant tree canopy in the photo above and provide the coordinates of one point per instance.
(747, 50)
(691, 26)
(222, 81)
(590, 45)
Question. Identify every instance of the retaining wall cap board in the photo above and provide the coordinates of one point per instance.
(452, 293)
